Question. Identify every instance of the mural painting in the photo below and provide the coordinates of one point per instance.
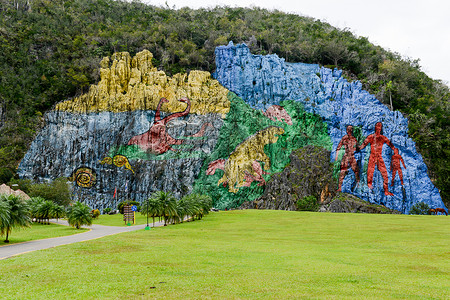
(84, 177)
(396, 167)
(243, 165)
(278, 113)
(350, 144)
(118, 161)
(193, 133)
(376, 141)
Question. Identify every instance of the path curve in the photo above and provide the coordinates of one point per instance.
(95, 232)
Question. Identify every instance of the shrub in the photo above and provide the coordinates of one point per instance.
(95, 213)
(78, 215)
(107, 210)
(420, 208)
(308, 203)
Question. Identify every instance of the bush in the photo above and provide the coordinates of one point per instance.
(107, 210)
(308, 203)
(420, 208)
(5, 175)
(95, 213)
(78, 215)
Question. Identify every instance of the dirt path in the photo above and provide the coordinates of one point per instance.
(95, 232)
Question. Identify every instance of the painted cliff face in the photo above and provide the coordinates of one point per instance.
(264, 81)
(138, 131)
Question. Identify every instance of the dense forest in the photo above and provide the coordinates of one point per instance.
(50, 51)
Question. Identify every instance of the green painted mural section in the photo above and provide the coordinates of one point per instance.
(242, 122)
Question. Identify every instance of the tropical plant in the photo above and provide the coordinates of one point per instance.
(79, 214)
(58, 211)
(15, 214)
(34, 204)
(420, 208)
(152, 208)
(168, 206)
(45, 211)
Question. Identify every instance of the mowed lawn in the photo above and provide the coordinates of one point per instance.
(247, 254)
(38, 231)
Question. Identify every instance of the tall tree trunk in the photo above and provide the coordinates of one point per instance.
(7, 234)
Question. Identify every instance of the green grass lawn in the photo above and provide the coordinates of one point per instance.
(247, 254)
(117, 220)
(38, 231)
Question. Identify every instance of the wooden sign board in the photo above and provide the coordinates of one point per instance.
(128, 215)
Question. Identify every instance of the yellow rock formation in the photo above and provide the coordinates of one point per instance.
(128, 84)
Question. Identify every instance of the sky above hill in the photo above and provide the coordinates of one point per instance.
(413, 28)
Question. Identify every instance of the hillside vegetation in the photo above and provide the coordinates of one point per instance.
(50, 51)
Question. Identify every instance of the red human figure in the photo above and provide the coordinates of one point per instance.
(396, 167)
(376, 141)
(351, 145)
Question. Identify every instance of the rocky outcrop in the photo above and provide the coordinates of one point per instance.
(138, 131)
(308, 173)
(263, 81)
(86, 139)
(130, 84)
(6, 190)
(347, 203)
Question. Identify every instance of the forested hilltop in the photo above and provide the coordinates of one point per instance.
(50, 51)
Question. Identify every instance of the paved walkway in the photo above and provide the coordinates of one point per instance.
(95, 232)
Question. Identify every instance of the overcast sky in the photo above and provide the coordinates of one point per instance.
(412, 28)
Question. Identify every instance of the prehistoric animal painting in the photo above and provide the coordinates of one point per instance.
(243, 167)
(350, 144)
(278, 113)
(118, 161)
(396, 167)
(84, 177)
(157, 140)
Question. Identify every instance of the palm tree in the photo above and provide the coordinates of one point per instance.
(3, 212)
(45, 211)
(34, 203)
(189, 206)
(151, 208)
(58, 211)
(79, 214)
(15, 214)
(168, 204)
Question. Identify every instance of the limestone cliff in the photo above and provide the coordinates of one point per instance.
(129, 84)
(138, 131)
(263, 81)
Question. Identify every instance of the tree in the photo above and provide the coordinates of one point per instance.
(57, 191)
(79, 214)
(152, 208)
(168, 204)
(45, 211)
(15, 214)
(34, 204)
(58, 211)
